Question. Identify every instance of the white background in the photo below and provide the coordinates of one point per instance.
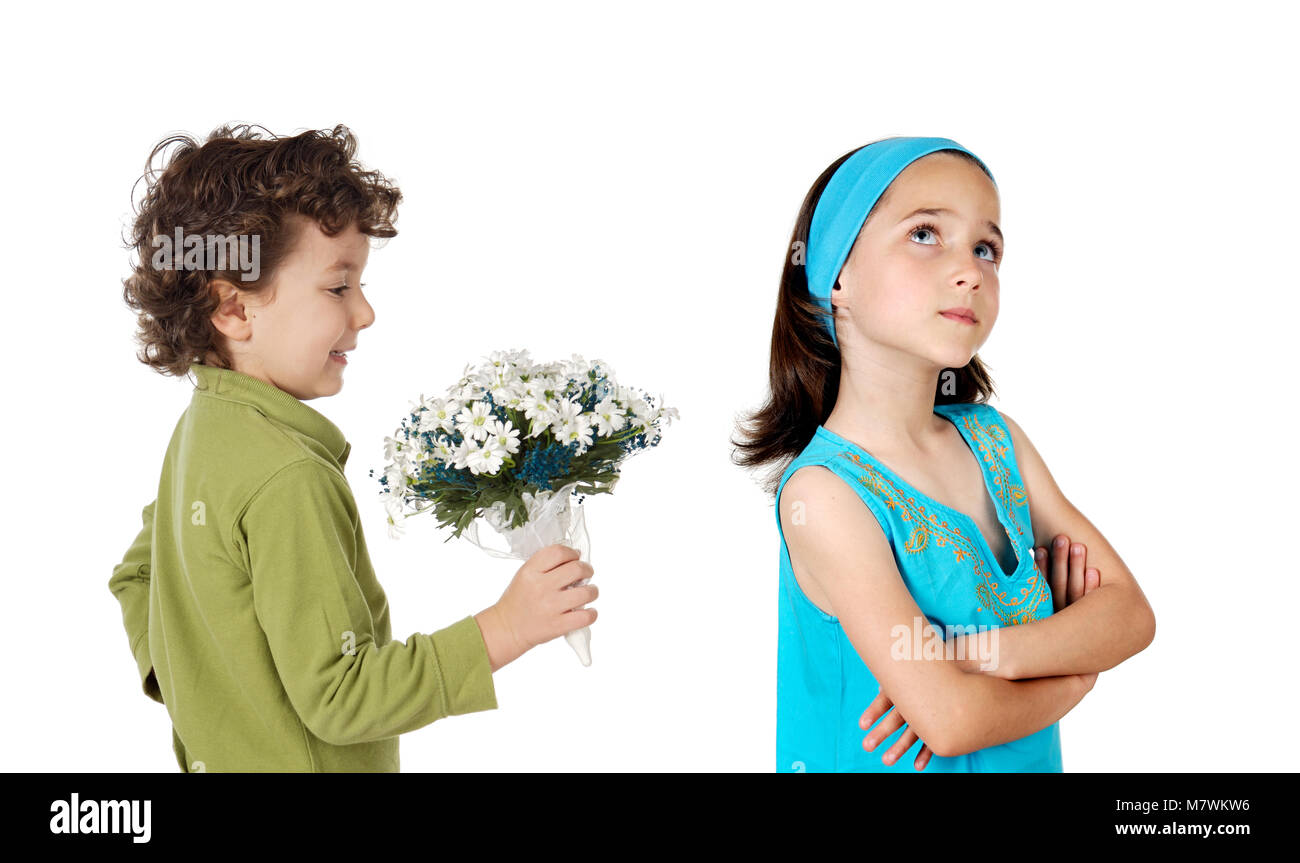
(622, 184)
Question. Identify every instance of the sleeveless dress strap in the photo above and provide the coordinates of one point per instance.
(825, 453)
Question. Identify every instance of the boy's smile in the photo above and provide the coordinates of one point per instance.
(293, 335)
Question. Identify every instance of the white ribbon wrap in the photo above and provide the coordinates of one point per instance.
(552, 519)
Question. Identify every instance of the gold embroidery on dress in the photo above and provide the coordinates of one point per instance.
(993, 444)
(927, 530)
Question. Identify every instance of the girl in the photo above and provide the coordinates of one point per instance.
(916, 585)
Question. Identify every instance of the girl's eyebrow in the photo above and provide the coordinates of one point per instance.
(942, 211)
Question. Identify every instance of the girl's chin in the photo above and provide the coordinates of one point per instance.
(953, 359)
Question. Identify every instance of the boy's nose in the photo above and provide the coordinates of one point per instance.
(366, 318)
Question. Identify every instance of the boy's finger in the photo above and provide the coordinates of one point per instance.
(551, 556)
(580, 596)
(571, 620)
(570, 572)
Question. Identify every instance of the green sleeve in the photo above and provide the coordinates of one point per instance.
(300, 532)
(130, 584)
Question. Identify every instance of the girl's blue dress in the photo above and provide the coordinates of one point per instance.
(823, 686)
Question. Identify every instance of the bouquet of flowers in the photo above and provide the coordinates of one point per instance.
(512, 443)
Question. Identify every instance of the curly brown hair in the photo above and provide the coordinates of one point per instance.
(237, 183)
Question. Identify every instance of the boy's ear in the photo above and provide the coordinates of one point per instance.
(231, 317)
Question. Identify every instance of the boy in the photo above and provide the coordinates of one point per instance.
(248, 596)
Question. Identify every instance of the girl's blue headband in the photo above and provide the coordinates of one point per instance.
(842, 208)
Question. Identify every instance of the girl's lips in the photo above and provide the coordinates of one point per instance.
(338, 358)
(953, 316)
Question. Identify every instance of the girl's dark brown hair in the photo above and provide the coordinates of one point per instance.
(804, 367)
(237, 183)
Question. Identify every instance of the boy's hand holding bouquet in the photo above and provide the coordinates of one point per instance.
(467, 456)
(541, 602)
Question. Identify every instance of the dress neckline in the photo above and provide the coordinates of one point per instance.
(1003, 517)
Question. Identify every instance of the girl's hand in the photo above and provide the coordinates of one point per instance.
(1067, 575)
(1070, 579)
(891, 724)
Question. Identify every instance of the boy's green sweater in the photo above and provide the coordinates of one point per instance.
(252, 608)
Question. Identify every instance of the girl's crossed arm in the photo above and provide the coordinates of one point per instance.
(1095, 632)
(839, 547)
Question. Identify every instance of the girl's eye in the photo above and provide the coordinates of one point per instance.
(927, 229)
(338, 292)
(995, 250)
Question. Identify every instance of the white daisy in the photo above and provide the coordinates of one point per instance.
(396, 450)
(443, 450)
(393, 505)
(472, 420)
(566, 410)
(460, 454)
(505, 435)
(396, 476)
(440, 414)
(487, 458)
(575, 429)
(609, 417)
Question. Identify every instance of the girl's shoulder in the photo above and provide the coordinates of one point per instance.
(828, 501)
(818, 479)
(810, 469)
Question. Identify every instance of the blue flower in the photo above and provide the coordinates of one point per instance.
(443, 473)
(543, 465)
(637, 442)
